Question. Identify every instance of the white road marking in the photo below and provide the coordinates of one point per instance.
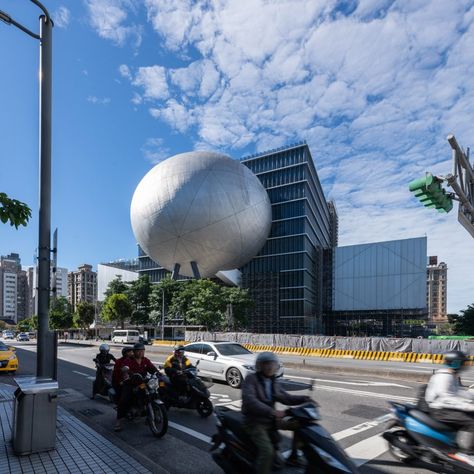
(363, 383)
(361, 427)
(366, 450)
(362, 393)
(190, 432)
(82, 373)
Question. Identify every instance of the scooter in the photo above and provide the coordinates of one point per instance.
(197, 397)
(102, 385)
(413, 435)
(235, 454)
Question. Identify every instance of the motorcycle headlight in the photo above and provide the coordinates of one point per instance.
(249, 367)
(331, 460)
(153, 384)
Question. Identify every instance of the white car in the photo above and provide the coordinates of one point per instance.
(227, 361)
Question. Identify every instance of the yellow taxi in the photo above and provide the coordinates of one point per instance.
(8, 358)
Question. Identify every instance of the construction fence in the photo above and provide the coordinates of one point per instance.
(369, 348)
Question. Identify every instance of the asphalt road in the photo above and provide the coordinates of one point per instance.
(354, 410)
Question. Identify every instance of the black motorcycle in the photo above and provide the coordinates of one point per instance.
(102, 385)
(197, 396)
(147, 403)
(235, 453)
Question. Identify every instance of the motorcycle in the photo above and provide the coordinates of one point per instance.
(102, 385)
(197, 396)
(235, 454)
(146, 402)
(413, 435)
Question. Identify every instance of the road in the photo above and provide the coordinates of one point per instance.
(354, 410)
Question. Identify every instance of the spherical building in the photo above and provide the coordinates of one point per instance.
(201, 207)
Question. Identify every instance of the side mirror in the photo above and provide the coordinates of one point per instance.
(11, 348)
(212, 354)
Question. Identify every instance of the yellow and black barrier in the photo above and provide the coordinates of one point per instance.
(339, 353)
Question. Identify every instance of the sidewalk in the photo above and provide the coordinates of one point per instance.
(79, 448)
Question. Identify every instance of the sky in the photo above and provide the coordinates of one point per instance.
(373, 86)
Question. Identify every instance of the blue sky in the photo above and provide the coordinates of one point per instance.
(374, 86)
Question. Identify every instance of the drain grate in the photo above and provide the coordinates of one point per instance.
(365, 411)
(91, 412)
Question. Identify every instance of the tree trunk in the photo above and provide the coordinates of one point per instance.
(122, 324)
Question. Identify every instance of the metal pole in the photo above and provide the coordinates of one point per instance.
(44, 354)
(163, 315)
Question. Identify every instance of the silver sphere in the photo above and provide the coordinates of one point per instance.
(203, 207)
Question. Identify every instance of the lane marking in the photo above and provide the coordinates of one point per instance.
(364, 383)
(82, 373)
(362, 393)
(366, 450)
(190, 432)
(361, 427)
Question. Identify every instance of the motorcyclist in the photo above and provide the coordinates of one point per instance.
(260, 391)
(138, 364)
(103, 358)
(127, 353)
(448, 401)
(174, 367)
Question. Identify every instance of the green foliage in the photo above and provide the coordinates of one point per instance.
(85, 314)
(15, 212)
(116, 286)
(60, 314)
(171, 288)
(464, 323)
(3, 324)
(138, 292)
(117, 308)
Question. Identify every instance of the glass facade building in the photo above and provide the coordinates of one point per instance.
(286, 278)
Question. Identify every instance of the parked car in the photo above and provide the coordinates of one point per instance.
(32, 335)
(8, 335)
(8, 358)
(227, 361)
(126, 336)
(22, 336)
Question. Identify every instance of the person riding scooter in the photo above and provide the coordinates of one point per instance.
(102, 359)
(174, 366)
(117, 375)
(260, 391)
(448, 401)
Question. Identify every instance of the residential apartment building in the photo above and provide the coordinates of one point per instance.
(13, 289)
(82, 286)
(437, 291)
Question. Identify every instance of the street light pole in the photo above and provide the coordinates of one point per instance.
(45, 366)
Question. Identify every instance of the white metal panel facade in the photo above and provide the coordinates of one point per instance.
(380, 276)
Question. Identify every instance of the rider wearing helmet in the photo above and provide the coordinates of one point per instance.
(101, 359)
(260, 391)
(127, 353)
(447, 400)
(174, 366)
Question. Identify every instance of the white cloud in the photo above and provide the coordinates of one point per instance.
(98, 100)
(154, 150)
(374, 86)
(124, 71)
(108, 18)
(61, 17)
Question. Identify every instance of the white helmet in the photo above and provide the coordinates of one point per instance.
(104, 348)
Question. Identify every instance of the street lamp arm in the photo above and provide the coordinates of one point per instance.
(10, 21)
(42, 7)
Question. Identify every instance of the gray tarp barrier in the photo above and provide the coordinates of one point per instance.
(380, 344)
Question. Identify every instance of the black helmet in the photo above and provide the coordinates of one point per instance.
(179, 347)
(265, 357)
(139, 346)
(125, 350)
(455, 359)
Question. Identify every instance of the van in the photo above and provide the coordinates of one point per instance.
(126, 335)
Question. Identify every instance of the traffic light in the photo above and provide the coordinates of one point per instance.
(431, 194)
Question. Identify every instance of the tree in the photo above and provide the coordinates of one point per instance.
(117, 308)
(15, 212)
(238, 302)
(138, 292)
(85, 315)
(60, 314)
(464, 323)
(116, 286)
(171, 289)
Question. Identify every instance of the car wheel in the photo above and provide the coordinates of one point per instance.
(234, 377)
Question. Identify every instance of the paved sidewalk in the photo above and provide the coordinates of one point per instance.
(79, 449)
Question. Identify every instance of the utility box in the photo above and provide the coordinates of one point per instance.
(34, 415)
